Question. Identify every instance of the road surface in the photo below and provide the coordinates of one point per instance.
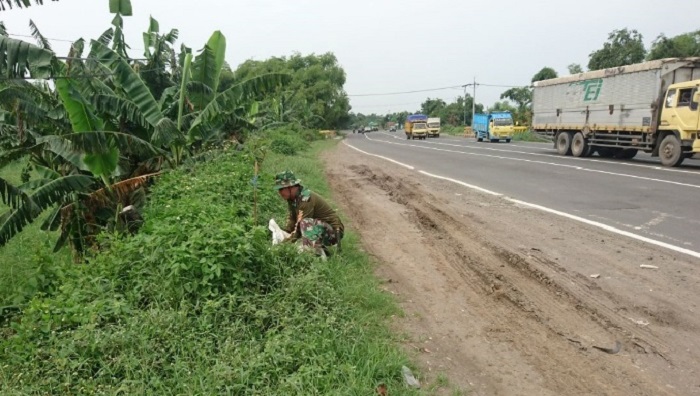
(521, 272)
(638, 196)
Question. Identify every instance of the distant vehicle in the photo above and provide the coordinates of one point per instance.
(434, 127)
(367, 129)
(416, 126)
(493, 127)
(392, 128)
(651, 106)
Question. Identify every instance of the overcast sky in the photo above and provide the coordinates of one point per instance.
(386, 46)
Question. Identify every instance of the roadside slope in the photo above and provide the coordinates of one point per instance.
(500, 299)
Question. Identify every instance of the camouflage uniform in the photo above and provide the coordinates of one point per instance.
(310, 219)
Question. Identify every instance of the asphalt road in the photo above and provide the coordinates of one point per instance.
(638, 196)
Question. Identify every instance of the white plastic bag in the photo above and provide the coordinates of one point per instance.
(278, 234)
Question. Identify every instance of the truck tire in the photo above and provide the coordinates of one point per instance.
(438, 135)
(507, 140)
(564, 143)
(479, 139)
(626, 154)
(580, 146)
(671, 151)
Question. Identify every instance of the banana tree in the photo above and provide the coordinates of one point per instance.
(95, 141)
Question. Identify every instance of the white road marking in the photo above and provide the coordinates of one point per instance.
(609, 228)
(565, 158)
(575, 167)
(473, 187)
(605, 227)
(379, 156)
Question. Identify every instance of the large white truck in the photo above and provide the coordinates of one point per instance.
(650, 106)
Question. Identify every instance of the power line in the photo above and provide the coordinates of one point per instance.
(48, 38)
(501, 86)
(57, 39)
(407, 92)
(414, 103)
(79, 76)
(436, 89)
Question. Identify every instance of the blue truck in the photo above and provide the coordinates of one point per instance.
(495, 126)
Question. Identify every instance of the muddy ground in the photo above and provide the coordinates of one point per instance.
(500, 298)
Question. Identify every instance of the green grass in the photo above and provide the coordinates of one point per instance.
(529, 136)
(452, 130)
(198, 302)
(26, 260)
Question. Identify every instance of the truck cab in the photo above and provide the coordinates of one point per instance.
(495, 126)
(416, 126)
(434, 127)
(679, 123)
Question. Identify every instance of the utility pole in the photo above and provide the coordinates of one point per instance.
(473, 101)
(473, 85)
(465, 104)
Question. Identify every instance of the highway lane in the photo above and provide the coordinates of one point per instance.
(638, 196)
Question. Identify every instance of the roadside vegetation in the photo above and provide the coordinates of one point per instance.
(135, 250)
(199, 301)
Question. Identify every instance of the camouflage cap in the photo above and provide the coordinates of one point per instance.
(285, 179)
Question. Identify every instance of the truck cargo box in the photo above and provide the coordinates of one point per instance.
(625, 98)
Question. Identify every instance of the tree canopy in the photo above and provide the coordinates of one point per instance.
(315, 97)
(545, 74)
(624, 47)
(683, 45)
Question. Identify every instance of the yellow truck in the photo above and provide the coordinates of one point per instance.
(416, 126)
(616, 112)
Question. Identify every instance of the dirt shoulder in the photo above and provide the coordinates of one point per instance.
(500, 299)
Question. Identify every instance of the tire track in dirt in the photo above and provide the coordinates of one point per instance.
(529, 325)
(506, 276)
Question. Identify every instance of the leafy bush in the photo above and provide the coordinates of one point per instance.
(199, 302)
(290, 139)
(287, 144)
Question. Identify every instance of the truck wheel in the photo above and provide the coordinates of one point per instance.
(479, 139)
(670, 151)
(507, 140)
(438, 135)
(626, 154)
(580, 146)
(564, 143)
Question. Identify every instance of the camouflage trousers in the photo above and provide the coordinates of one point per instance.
(316, 235)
